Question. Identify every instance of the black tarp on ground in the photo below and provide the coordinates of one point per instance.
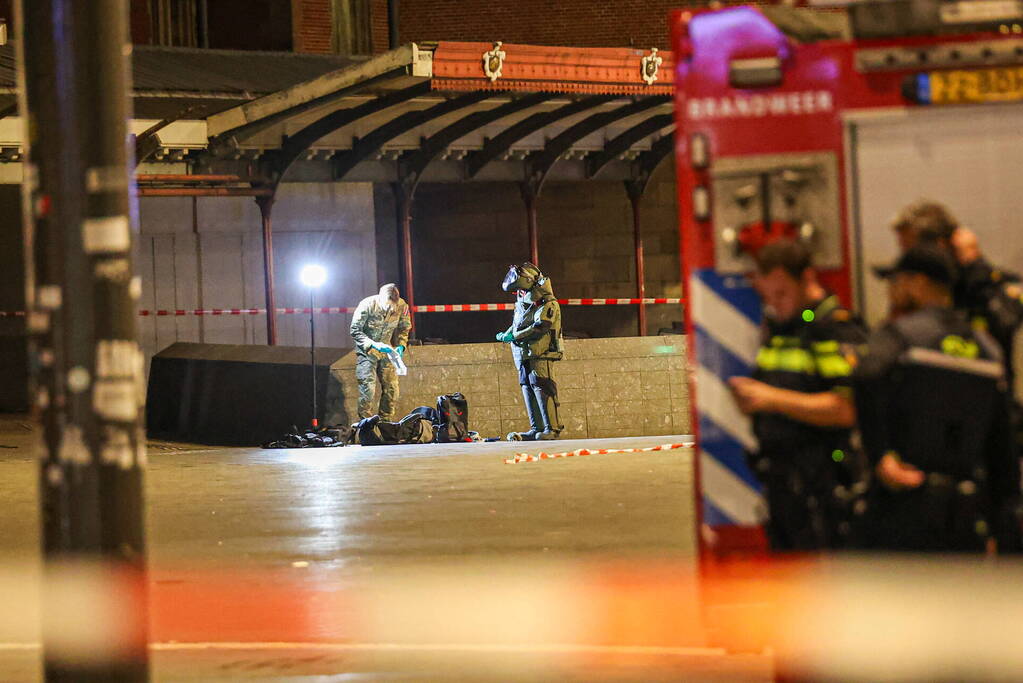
(233, 395)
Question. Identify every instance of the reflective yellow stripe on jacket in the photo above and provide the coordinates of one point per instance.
(824, 359)
(831, 362)
(786, 354)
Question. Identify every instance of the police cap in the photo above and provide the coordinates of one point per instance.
(925, 259)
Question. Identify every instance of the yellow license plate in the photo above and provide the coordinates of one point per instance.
(1001, 84)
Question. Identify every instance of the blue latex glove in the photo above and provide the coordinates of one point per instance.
(400, 349)
(505, 337)
(381, 347)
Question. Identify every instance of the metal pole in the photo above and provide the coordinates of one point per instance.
(403, 197)
(265, 208)
(73, 75)
(199, 269)
(312, 354)
(392, 24)
(257, 192)
(635, 192)
(187, 177)
(529, 195)
(204, 24)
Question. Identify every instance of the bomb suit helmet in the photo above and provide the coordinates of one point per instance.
(521, 277)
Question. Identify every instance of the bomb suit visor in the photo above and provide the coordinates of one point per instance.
(520, 277)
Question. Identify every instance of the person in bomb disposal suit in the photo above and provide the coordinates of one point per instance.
(935, 420)
(535, 338)
(380, 326)
(800, 400)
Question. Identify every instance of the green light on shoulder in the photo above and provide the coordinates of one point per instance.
(838, 455)
(808, 315)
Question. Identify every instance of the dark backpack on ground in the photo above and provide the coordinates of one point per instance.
(413, 428)
(429, 413)
(452, 418)
(323, 437)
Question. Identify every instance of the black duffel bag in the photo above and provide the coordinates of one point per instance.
(413, 428)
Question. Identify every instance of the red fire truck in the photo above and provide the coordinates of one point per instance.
(819, 125)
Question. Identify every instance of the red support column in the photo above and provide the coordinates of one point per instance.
(265, 208)
(403, 199)
(529, 196)
(635, 191)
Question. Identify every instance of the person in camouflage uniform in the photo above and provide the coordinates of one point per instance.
(380, 325)
(535, 338)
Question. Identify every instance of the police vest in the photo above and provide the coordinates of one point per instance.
(944, 396)
(993, 301)
(811, 354)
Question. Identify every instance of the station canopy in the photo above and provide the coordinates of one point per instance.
(441, 112)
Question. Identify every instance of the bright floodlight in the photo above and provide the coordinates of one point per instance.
(313, 275)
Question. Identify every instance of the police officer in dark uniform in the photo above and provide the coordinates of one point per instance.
(800, 400)
(935, 421)
(990, 297)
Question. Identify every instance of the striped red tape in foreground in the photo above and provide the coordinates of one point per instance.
(526, 457)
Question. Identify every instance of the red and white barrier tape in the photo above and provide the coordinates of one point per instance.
(208, 311)
(440, 308)
(242, 311)
(457, 308)
(616, 302)
(526, 457)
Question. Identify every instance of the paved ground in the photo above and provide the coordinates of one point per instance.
(326, 519)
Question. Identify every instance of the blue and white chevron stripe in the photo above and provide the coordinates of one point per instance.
(725, 314)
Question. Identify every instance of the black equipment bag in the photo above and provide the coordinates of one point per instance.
(453, 413)
(429, 413)
(413, 428)
(323, 437)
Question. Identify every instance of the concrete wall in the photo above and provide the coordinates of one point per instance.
(466, 235)
(626, 386)
(207, 253)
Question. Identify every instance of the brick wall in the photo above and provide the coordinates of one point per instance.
(139, 21)
(313, 26)
(638, 23)
(379, 25)
(312, 22)
(622, 23)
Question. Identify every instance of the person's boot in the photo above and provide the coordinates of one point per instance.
(548, 407)
(535, 418)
